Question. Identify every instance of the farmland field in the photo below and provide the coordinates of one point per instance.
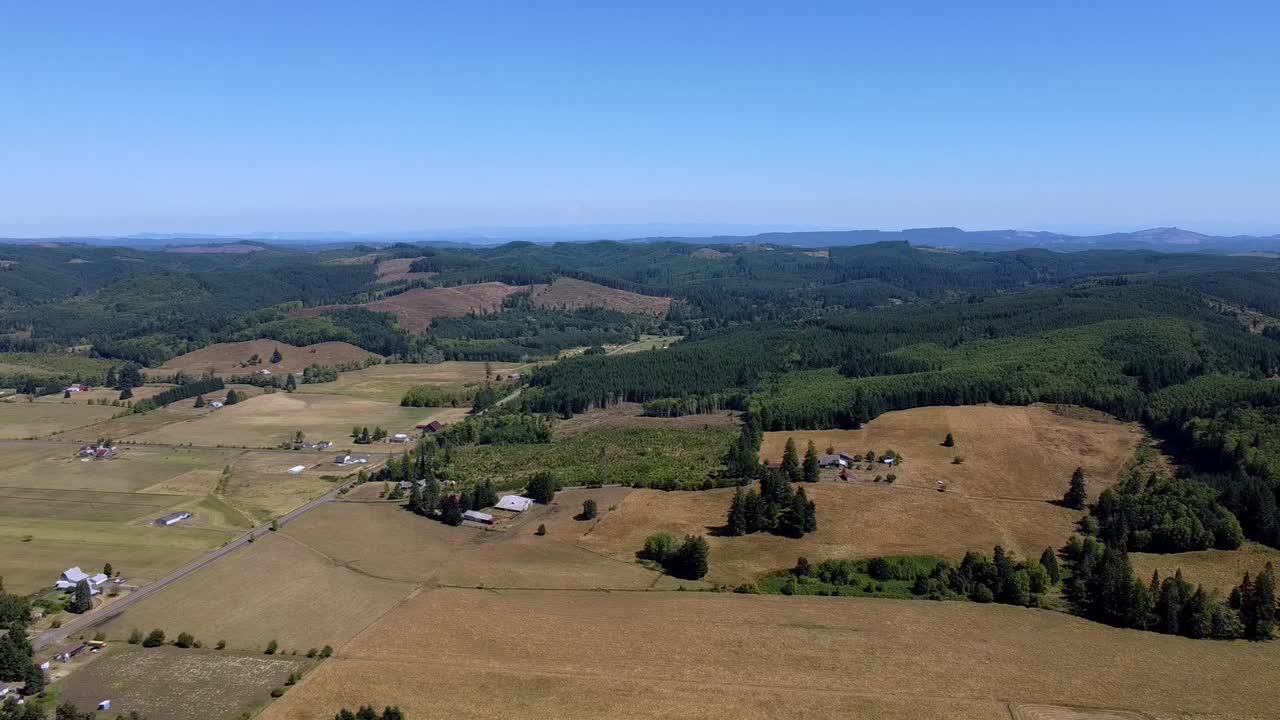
(1007, 452)
(169, 683)
(51, 465)
(451, 652)
(21, 419)
(141, 554)
(388, 383)
(232, 358)
(269, 419)
(1219, 570)
(626, 455)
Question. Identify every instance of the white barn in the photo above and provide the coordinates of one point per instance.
(514, 503)
(72, 577)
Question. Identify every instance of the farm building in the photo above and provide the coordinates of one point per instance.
(97, 452)
(429, 427)
(514, 503)
(343, 459)
(400, 438)
(297, 469)
(477, 516)
(79, 387)
(828, 461)
(173, 518)
(72, 576)
(215, 404)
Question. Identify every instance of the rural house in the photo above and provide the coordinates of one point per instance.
(72, 577)
(514, 503)
(173, 518)
(429, 427)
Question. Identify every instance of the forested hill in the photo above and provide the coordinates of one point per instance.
(146, 306)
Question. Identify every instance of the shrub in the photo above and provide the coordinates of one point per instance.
(271, 648)
(277, 692)
(99, 636)
(589, 510)
(312, 653)
(542, 530)
(222, 645)
(135, 637)
(658, 546)
(185, 640)
(325, 652)
(154, 639)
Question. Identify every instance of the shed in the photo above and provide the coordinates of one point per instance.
(832, 461)
(429, 427)
(297, 469)
(342, 459)
(173, 518)
(477, 516)
(514, 503)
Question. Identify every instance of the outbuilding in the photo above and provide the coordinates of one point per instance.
(514, 503)
(477, 516)
(73, 575)
(429, 427)
(297, 469)
(828, 461)
(173, 518)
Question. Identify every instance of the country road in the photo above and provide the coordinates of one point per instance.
(89, 620)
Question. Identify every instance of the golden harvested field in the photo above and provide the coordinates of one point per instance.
(564, 654)
(397, 269)
(1009, 452)
(99, 393)
(388, 383)
(629, 415)
(571, 294)
(130, 425)
(415, 308)
(272, 418)
(35, 564)
(169, 683)
(135, 468)
(1215, 569)
(854, 520)
(20, 419)
(233, 358)
(277, 588)
(261, 486)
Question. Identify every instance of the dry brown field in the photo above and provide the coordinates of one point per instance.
(570, 294)
(1008, 452)
(277, 588)
(415, 308)
(20, 419)
(629, 415)
(28, 566)
(169, 683)
(388, 383)
(397, 269)
(562, 654)
(272, 418)
(1219, 570)
(855, 520)
(233, 358)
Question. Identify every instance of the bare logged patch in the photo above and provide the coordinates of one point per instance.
(277, 588)
(854, 520)
(1215, 569)
(415, 308)
(550, 654)
(571, 294)
(233, 358)
(397, 269)
(625, 415)
(178, 684)
(1006, 452)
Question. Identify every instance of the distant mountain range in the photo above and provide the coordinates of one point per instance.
(1164, 239)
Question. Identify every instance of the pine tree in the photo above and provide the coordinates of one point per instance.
(451, 510)
(83, 600)
(110, 379)
(1049, 560)
(199, 401)
(541, 487)
(290, 383)
(276, 357)
(810, 516)
(430, 495)
(232, 398)
(949, 441)
(126, 393)
(736, 522)
(811, 467)
(791, 462)
(415, 499)
(1076, 495)
(689, 560)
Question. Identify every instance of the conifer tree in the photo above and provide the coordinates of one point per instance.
(291, 383)
(1049, 560)
(949, 441)
(736, 522)
(83, 600)
(199, 401)
(1076, 495)
(276, 356)
(791, 461)
(811, 467)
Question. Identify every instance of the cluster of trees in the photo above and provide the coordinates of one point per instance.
(498, 429)
(1102, 586)
(522, 332)
(687, 560)
(316, 373)
(432, 396)
(366, 712)
(363, 436)
(696, 404)
(16, 664)
(1002, 578)
(1164, 514)
(10, 710)
(190, 389)
(775, 508)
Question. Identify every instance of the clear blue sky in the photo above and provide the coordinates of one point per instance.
(234, 117)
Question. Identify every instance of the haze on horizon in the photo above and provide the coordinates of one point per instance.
(313, 116)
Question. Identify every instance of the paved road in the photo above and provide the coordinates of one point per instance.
(84, 622)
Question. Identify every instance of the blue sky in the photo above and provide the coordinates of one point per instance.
(235, 117)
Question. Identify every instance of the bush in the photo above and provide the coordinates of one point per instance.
(658, 546)
(185, 640)
(325, 652)
(271, 648)
(312, 653)
(277, 692)
(222, 645)
(135, 637)
(542, 530)
(154, 639)
(689, 561)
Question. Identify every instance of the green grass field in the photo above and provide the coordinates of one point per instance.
(654, 456)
